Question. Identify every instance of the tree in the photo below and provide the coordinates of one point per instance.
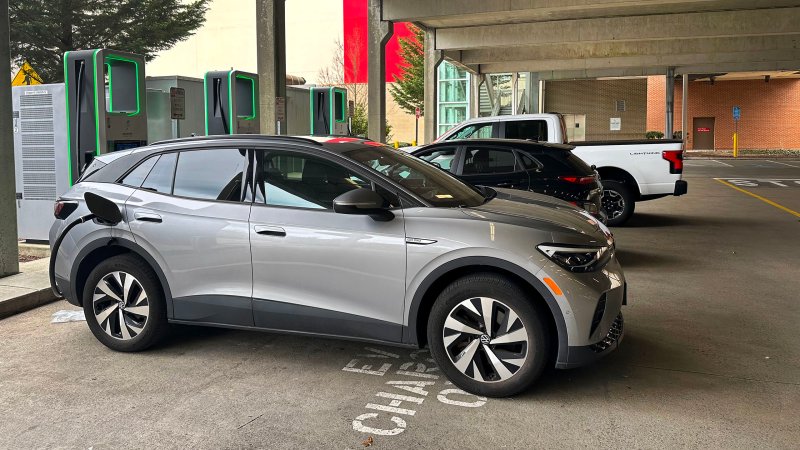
(333, 75)
(409, 90)
(42, 30)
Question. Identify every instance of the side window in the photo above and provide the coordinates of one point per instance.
(442, 157)
(527, 129)
(137, 175)
(214, 174)
(160, 177)
(529, 162)
(479, 130)
(489, 160)
(303, 181)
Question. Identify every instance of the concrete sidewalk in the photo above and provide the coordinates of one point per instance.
(26, 290)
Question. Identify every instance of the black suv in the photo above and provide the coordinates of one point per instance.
(550, 169)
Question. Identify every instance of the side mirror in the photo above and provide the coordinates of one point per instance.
(365, 202)
(103, 208)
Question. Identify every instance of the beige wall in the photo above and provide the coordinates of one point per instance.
(402, 123)
(597, 99)
(227, 40)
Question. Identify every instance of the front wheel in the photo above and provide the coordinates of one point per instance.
(487, 336)
(123, 304)
(618, 202)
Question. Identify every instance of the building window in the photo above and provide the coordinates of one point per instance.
(453, 101)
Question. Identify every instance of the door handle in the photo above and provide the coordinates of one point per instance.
(147, 217)
(269, 230)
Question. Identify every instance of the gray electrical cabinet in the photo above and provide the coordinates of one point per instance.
(41, 160)
(175, 107)
(297, 110)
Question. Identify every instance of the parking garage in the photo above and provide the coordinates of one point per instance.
(710, 356)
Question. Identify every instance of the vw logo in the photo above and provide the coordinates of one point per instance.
(485, 339)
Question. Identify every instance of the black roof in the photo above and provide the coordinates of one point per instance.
(517, 143)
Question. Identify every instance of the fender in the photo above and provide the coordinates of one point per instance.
(410, 331)
(129, 245)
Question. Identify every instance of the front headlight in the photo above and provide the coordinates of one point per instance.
(577, 258)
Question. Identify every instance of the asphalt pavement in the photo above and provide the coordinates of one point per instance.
(711, 358)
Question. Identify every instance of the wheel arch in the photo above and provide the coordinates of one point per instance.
(101, 249)
(612, 173)
(415, 331)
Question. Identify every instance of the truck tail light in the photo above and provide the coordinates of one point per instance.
(577, 179)
(675, 158)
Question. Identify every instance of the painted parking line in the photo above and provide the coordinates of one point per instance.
(785, 164)
(720, 162)
(765, 200)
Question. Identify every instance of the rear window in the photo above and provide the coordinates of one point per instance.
(527, 129)
(559, 162)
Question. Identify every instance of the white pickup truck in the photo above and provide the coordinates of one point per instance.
(631, 170)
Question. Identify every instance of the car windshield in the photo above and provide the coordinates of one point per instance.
(434, 185)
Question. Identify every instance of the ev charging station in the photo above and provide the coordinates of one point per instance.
(328, 111)
(106, 104)
(231, 99)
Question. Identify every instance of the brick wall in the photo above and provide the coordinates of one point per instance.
(770, 111)
(598, 100)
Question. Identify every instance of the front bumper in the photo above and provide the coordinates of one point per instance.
(681, 187)
(582, 355)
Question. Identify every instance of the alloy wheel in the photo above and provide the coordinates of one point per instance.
(120, 305)
(613, 203)
(485, 339)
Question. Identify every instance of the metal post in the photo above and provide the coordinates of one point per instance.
(670, 102)
(9, 249)
(685, 109)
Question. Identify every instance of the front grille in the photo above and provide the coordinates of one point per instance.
(612, 337)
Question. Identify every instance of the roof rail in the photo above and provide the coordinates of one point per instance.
(240, 136)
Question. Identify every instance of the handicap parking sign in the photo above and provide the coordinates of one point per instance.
(737, 113)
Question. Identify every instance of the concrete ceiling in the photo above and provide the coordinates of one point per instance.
(594, 38)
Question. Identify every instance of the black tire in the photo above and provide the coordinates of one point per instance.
(155, 323)
(618, 202)
(508, 294)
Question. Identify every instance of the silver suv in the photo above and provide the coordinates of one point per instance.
(337, 237)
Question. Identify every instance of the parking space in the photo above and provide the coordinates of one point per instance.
(710, 358)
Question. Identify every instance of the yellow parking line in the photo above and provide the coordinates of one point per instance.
(765, 200)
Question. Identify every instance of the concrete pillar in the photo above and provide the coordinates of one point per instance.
(433, 58)
(670, 102)
(379, 32)
(474, 94)
(270, 60)
(9, 251)
(684, 108)
(532, 92)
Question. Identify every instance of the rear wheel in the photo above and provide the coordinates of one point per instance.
(487, 336)
(618, 202)
(123, 304)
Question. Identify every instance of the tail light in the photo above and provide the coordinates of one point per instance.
(62, 209)
(577, 179)
(675, 158)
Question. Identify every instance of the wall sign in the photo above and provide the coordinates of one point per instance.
(615, 124)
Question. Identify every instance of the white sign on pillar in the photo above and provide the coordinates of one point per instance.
(615, 124)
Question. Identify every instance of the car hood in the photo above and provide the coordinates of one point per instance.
(539, 211)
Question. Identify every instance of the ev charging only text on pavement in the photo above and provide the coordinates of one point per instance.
(419, 377)
(763, 182)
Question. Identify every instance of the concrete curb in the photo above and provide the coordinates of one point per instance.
(25, 302)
